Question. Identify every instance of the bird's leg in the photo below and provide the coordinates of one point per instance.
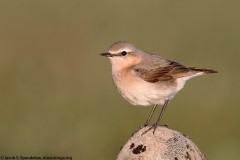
(160, 116)
(154, 127)
(150, 116)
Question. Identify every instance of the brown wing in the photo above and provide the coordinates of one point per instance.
(204, 70)
(170, 71)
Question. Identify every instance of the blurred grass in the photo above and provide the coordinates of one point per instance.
(56, 92)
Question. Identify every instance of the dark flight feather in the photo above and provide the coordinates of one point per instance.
(171, 70)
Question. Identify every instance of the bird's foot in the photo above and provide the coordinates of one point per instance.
(145, 125)
(154, 127)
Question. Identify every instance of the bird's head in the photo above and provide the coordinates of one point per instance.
(123, 54)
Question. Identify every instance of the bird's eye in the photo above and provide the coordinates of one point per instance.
(124, 53)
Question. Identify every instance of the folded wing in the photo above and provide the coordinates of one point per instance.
(168, 71)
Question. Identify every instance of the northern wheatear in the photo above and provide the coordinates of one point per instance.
(145, 79)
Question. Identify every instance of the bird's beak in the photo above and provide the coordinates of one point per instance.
(107, 54)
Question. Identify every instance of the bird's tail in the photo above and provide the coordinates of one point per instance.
(204, 70)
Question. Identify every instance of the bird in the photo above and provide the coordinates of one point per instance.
(147, 79)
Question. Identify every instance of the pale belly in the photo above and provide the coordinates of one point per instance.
(140, 92)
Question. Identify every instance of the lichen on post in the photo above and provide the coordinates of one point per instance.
(164, 144)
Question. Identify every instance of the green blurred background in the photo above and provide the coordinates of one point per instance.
(56, 92)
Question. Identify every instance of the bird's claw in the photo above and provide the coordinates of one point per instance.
(154, 127)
